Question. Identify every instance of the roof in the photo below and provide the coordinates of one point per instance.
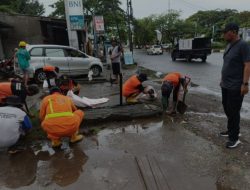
(29, 46)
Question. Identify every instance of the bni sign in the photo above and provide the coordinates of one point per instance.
(75, 12)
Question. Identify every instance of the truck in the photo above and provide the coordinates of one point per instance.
(193, 48)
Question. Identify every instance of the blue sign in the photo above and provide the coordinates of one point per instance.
(128, 57)
(76, 22)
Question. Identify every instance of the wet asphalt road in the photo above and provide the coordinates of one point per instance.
(207, 75)
(109, 161)
(204, 74)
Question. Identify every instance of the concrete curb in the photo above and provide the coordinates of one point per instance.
(121, 113)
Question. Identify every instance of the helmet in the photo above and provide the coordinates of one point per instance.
(32, 89)
(22, 44)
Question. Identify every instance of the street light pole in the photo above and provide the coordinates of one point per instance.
(130, 17)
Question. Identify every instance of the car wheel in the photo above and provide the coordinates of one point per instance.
(204, 59)
(40, 76)
(189, 58)
(96, 71)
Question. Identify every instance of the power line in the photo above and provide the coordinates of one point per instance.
(192, 6)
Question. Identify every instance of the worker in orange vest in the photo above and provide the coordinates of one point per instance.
(60, 118)
(17, 88)
(133, 88)
(171, 83)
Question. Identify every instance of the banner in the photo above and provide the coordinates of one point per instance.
(75, 14)
(128, 57)
(99, 24)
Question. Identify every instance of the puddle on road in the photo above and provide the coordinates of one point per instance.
(106, 161)
(43, 166)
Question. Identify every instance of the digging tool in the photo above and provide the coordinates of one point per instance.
(181, 106)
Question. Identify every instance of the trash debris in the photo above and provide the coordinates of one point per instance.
(183, 122)
(90, 75)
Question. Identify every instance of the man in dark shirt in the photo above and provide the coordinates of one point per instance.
(234, 81)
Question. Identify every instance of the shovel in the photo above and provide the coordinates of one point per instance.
(181, 106)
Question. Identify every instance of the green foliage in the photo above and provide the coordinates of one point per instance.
(29, 7)
(170, 25)
(59, 11)
(202, 23)
(218, 45)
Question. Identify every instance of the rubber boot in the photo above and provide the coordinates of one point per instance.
(76, 138)
(56, 143)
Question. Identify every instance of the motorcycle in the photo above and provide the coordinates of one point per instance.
(7, 68)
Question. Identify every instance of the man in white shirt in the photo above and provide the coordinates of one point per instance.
(14, 122)
(115, 56)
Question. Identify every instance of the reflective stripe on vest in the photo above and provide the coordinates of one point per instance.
(55, 115)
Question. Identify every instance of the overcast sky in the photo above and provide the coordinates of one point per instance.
(143, 8)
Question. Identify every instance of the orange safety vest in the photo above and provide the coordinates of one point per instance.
(49, 68)
(130, 86)
(5, 90)
(173, 77)
(58, 106)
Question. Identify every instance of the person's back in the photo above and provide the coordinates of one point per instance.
(131, 86)
(5, 90)
(23, 58)
(11, 119)
(56, 103)
(13, 88)
(173, 77)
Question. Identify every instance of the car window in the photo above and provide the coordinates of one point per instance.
(36, 52)
(75, 53)
(157, 46)
(54, 52)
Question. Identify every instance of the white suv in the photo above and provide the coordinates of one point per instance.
(67, 60)
(155, 49)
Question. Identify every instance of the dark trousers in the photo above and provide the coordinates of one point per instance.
(232, 102)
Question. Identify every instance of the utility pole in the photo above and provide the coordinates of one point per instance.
(130, 19)
(168, 6)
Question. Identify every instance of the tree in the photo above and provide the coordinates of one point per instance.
(29, 7)
(144, 30)
(170, 25)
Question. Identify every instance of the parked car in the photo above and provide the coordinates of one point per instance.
(67, 60)
(155, 49)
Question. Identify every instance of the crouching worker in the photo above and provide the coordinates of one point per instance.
(171, 83)
(17, 88)
(66, 83)
(14, 122)
(60, 118)
(134, 91)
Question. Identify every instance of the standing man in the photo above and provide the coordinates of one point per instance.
(115, 56)
(234, 81)
(23, 57)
